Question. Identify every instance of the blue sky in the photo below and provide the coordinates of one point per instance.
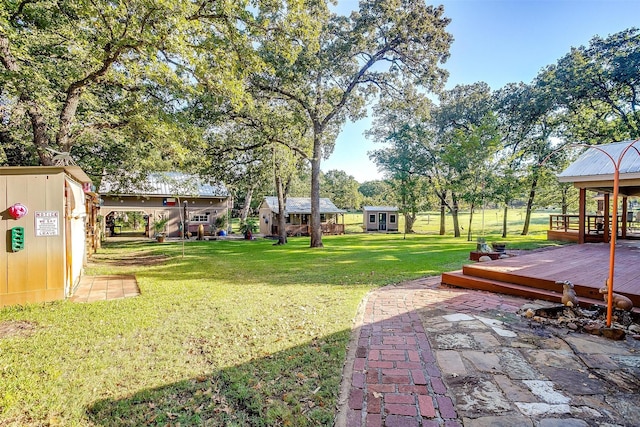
(498, 42)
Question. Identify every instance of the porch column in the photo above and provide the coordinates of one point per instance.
(607, 222)
(582, 215)
(624, 218)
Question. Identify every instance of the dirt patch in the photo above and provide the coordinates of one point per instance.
(129, 260)
(20, 328)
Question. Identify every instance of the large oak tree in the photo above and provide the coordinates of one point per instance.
(374, 51)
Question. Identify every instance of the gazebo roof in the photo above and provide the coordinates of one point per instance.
(594, 169)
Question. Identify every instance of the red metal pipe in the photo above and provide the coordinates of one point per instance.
(614, 235)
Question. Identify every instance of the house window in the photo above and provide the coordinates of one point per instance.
(323, 217)
(372, 218)
(200, 218)
(392, 218)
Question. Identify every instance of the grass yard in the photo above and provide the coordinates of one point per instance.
(487, 223)
(235, 333)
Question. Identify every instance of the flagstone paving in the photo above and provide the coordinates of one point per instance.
(427, 355)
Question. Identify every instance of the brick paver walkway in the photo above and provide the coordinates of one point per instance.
(395, 378)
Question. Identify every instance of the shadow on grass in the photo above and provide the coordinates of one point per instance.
(296, 387)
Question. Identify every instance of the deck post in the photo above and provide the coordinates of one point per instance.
(607, 219)
(623, 219)
(582, 215)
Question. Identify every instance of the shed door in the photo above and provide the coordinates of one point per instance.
(382, 221)
(75, 234)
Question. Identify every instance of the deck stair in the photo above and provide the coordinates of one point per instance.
(460, 279)
(534, 275)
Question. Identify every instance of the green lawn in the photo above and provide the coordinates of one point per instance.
(486, 223)
(233, 333)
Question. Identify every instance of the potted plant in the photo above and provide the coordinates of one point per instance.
(221, 224)
(159, 228)
(499, 247)
(248, 228)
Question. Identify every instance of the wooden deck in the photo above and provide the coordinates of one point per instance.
(534, 275)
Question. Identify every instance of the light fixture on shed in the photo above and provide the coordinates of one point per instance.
(18, 210)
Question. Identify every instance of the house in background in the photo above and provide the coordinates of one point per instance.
(380, 218)
(188, 201)
(298, 216)
(47, 218)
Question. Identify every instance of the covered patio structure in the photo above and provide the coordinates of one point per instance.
(594, 171)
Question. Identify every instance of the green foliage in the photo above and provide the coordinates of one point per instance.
(160, 225)
(221, 222)
(250, 225)
(402, 124)
(111, 82)
(598, 86)
(342, 189)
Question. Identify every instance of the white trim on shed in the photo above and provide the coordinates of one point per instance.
(380, 218)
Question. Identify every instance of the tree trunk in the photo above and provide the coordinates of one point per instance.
(565, 201)
(316, 228)
(409, 217)
(470, 220)
(532, 195)
(409, 220)
(244, 213)
(282, 220)
(454, 214)
(68, 114)
(504, 220)
(443, 205)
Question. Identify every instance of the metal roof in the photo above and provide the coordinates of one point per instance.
(380, 208)
(594, 164)
(166, 184)
(302, 205)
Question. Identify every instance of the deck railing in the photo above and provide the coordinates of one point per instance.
(305, 230)
(571, 223)
(564, 222)
(330, 228)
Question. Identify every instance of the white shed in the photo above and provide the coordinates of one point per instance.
(380, 218)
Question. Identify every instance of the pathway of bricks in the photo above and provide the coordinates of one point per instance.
(426, 355)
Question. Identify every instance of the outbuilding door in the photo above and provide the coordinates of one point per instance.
(382, 221)
(75, 235)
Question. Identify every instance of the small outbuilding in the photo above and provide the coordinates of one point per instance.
(48, 220)
(298, 216)
(184, 200)
(380, 218)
